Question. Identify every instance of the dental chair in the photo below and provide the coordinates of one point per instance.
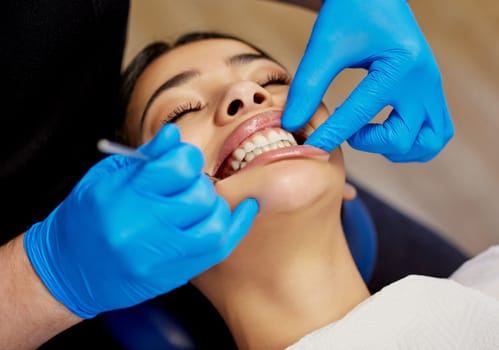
(386, 245)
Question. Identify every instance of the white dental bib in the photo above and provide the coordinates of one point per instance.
(417, 312)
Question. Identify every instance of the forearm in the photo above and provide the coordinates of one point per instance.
(29, 315)
(314, 5)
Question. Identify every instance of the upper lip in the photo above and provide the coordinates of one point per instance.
(260, 121)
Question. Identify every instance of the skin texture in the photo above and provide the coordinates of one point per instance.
(29, 313)
(293, 272)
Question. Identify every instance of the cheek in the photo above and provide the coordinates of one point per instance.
(191, 135)
(204, 136)
(280, 98)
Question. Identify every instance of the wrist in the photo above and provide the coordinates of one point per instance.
(30, 314)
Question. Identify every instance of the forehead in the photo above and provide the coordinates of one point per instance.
(205, 56)
(203, 53)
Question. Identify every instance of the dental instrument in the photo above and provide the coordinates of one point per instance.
(110, 147)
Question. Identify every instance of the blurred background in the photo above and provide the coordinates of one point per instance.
(457, 193)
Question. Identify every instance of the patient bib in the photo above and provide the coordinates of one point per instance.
(416, 312)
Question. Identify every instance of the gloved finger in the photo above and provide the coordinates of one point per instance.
(206, 235)
(396, 135)
(219, 234)
(438, 115)
(427, 145)
(434, 133)
(448, 125)
(440, 121)
(171, 242)
(192, 205)
(111, 164)
(242, 219)
(363, 104)
(313, 76)
(170, 173)
(164, 140)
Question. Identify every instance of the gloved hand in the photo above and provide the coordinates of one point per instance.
(131, 230)
(383, 37)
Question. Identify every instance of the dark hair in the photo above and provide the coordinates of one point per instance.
(150, 53)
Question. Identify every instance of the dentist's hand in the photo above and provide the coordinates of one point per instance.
(383, 37)
(131, 230)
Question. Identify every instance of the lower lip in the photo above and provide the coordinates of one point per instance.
(290, 152)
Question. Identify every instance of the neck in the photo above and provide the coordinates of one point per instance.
(296, 278)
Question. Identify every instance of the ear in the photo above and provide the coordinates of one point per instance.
(349, 192)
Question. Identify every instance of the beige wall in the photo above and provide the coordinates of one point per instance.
(458, 192)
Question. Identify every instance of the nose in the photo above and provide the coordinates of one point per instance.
(240, 98)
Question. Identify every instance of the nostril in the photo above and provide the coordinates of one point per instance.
(258, 98)
(234, 107)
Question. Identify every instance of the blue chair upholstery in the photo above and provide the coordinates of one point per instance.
(361, 236)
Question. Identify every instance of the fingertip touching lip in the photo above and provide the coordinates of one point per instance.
(260, 139)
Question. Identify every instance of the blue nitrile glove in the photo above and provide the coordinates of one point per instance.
(383, 37)
(131, 230)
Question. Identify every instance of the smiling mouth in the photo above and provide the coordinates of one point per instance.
(269, 140)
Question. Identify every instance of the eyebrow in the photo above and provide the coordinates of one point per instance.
(179, 79)
(246, 58)
(185, 77)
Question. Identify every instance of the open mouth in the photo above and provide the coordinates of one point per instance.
(259, 140)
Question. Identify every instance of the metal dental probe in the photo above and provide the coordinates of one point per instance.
(110, 147)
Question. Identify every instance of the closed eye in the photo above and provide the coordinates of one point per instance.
(276, 78)
(182, 110)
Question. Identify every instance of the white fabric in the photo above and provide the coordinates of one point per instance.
(419, 312)
(481, 272)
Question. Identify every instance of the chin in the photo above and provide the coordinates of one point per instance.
(288, 185)
(299, 184)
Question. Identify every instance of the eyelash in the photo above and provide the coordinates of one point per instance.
(181, 110)
(276, 78)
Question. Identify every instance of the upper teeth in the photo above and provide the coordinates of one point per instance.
(260, 142)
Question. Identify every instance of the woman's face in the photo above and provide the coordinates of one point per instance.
(227, 99)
